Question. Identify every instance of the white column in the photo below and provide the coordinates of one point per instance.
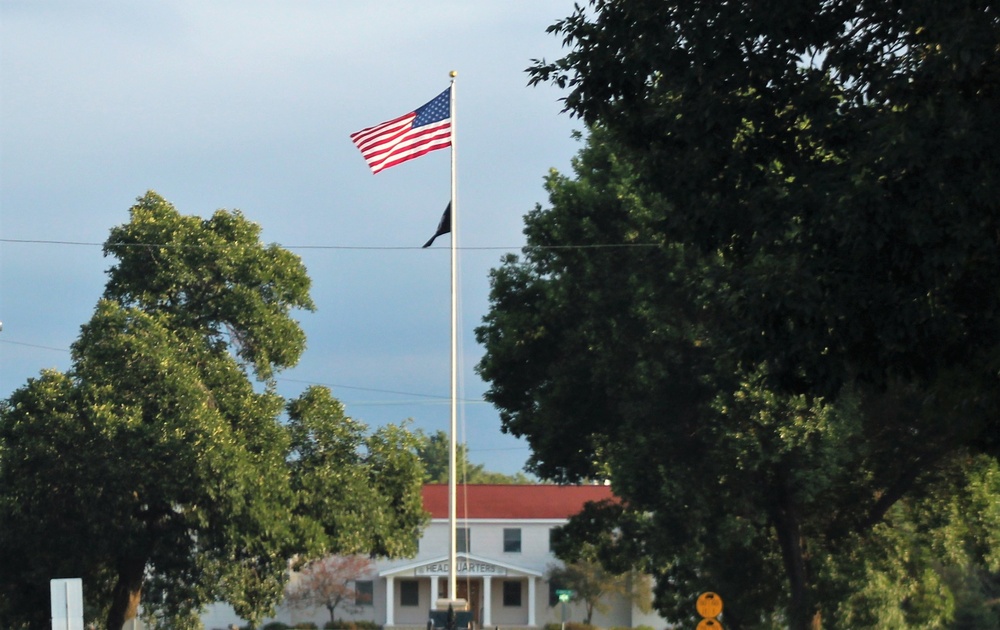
(390, 601)
(487, 601)
(434, 591)
(531, 600)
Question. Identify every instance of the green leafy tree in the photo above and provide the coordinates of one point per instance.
(434, 453)
(596, 586)
(609, 347)
(157, 467)
(837, 164)
(819, 182)
(377, 479)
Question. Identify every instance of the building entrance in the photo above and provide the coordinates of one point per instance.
(469, 589)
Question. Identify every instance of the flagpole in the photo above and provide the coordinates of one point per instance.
(391, 143)
(452, 446)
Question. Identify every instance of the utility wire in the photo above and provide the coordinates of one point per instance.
(344, 247)
(432, 398)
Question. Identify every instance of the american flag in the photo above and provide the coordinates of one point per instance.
(409, 136)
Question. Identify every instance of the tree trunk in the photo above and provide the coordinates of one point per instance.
(127, 592)
(802, 613)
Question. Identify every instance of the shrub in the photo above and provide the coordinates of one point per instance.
(275, 625)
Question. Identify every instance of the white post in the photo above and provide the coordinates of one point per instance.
(452, 498)
(531, 601)
(390, 602)
(487, 601)
(66, 600)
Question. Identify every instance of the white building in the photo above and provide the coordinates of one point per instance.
(503, 539)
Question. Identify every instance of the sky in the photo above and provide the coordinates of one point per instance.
(249, 105)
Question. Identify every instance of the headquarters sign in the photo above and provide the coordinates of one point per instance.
(465, 568)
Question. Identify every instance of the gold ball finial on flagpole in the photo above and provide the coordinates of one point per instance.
(453, 74)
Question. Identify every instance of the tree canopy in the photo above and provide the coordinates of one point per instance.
(434, 454)
(159, 467)
(764, 305)
(837, 158)
(595, 586)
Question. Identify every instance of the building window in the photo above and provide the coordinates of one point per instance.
(551, 534)
(512, 540)
(409, 593)
(463, 541)
(363, 592)
(511, 593)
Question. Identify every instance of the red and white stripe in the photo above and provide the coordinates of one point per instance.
(396, 141)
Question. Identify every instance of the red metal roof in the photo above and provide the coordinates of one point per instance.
(512, 501)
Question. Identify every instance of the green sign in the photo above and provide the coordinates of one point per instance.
(564, 595)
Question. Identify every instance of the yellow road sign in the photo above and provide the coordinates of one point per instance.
(709, 605)
(709, 624)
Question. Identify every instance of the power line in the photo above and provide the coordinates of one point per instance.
(495, 450)
(32, 345)
(367, 389)
(346, 247)
(433, 398)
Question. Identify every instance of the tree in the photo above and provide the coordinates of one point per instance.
(329, 582)
(371, 482)
(158, 470)
(434, 453)
(593, 585)
(826, 173)
(610, 348)
(839, 162)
